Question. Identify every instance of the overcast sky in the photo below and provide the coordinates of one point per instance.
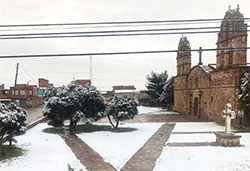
(108, 70)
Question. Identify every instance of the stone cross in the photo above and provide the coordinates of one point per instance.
(228, 114)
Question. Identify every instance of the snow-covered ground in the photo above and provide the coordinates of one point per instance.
(197, 127)
(153, 110)
(118, 148)
(205, 158)
(44, 152)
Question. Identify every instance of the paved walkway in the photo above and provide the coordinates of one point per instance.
(88, 157)
(34, 114)
(144, 159)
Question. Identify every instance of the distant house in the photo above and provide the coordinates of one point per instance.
(83, 82)
(4, 96)
(43, 85)
(1, 86)
(25, 95)
(128, 90)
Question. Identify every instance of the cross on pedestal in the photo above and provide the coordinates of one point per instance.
(228, 114)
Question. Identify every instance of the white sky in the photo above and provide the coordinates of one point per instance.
(108, 70)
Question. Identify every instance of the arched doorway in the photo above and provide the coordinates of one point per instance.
(196, 106)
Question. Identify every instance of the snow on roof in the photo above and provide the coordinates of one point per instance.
(207, 69)
(103, 92)
(127, 91)
(2, 100)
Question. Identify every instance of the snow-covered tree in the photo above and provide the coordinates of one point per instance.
(167, 96)
(243, 94)
(155, 83)
(50, 92)
(122, 108)
(65, 105)
(93, 106)
(12, 121)
(73, 103)
(244, 90)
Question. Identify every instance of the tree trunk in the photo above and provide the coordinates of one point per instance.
(2, 134)
(71, 126)
(117, 123)
(10, 139)
(110, 121)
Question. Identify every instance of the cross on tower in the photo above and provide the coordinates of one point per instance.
(200, 56)
(228, 114)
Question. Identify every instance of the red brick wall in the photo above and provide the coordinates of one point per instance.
(83, 82)
(43, 82)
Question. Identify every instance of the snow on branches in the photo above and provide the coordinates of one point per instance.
(122, 108)
(244, 90)
(74, 102)
(12, 120)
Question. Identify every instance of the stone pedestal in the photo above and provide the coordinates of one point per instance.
(227, 139)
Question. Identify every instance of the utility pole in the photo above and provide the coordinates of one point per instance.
(14, 95)
(90, 68)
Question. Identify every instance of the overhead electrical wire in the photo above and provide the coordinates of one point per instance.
(28, 74)
(112, 23)
(116, 31)
(114, 53)
(107, 26)
(112, 35)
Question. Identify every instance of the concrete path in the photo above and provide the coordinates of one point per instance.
(144, 159)
(88, 157)
(34, 114)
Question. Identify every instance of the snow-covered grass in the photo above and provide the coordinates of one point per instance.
(204, 158)
(43, 152)
(118, 148)
(153, 110)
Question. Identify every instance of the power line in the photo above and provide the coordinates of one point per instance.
(28, 74)
(108, 26)
(113, 22)
(114, 53)
(115, 35)
(116, 31)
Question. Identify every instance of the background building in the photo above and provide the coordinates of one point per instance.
(203, 90)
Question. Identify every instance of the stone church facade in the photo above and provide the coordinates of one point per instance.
(203, 90)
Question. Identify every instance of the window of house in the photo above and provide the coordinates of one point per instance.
(30, 92)
(34, 92)
(5, 92)
(16, 92)
(22, 92)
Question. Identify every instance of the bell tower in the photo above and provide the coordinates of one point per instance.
(183, 57)
(233, 34)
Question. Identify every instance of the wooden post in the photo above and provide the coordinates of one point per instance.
(14, 95)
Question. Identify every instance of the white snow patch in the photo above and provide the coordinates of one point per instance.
(44, 152)
(181, 138)
(204, 158)
(197, 127)
(118, 148)
(153, 110)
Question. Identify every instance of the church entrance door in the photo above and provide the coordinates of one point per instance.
(196, 106)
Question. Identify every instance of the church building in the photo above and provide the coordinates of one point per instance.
(203, 90)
